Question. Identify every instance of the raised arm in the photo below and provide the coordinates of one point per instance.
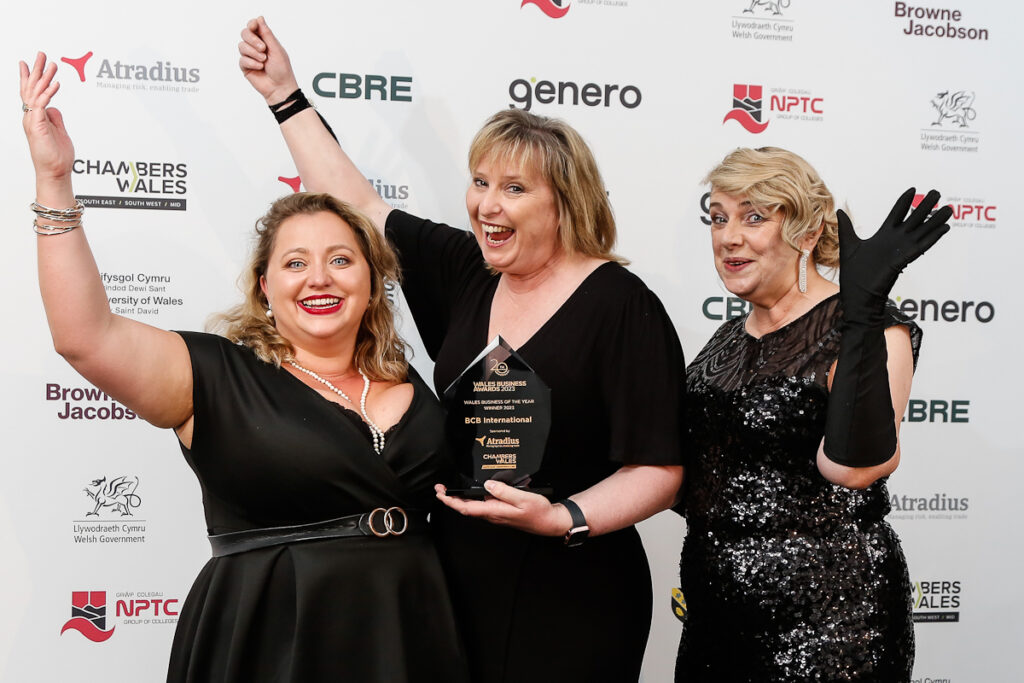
(320, 160)
(145, 368)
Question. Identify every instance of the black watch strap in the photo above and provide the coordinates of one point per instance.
(579, 530)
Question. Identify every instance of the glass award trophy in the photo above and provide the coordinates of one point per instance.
(499, 416)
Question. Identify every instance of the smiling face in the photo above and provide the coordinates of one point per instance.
(514, 215)
(753, 260)
(317, 281)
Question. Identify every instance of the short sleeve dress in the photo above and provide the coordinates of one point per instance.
(785, 576)
(269, 451)
(530, 608)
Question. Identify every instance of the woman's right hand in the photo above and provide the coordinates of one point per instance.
(265, 63)
(52, 152)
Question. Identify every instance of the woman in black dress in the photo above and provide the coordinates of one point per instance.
(533, 602)
(315, 448)
(789, 572)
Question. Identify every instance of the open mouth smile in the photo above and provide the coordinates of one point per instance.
(321, 305)
(496, 235)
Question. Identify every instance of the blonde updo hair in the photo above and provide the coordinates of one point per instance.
(586, 224)
(775, 179)
(379, 352)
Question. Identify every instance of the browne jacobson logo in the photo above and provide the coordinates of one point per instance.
(746, 107)
(552, 8)
(89, 615)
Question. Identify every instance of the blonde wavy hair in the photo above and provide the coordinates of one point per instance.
(379, 352)
(775, 179)
(586, 223)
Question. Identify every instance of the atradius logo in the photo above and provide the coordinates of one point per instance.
(954, 109)
(769, 26)
(935, 22)
(163, 183)
(794, 104)
(968, 212)
(159, 75)
(525, 92)
(929, 506)
(556, 9)
(395, 195)
(937, 601)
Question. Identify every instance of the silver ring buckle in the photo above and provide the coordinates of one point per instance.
(389, 521)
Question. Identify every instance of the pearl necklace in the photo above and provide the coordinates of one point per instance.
(376, 432)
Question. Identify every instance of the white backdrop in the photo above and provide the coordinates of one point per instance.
(180, 157)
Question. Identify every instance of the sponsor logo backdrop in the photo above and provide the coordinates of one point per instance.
(100, 518)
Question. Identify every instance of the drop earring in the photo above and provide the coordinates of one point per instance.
(802, 282)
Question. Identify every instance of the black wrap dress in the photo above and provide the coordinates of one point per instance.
(270, 451)
(530, 608)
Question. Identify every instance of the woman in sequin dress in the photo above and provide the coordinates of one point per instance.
(789, 571)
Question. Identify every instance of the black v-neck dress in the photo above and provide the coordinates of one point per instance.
(270, 451)
(531, 609)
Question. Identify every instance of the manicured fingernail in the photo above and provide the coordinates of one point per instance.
(489, 485)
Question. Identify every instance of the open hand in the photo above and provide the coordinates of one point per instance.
(265, 63)
(868, 268)
(512, 507)
(52, 152)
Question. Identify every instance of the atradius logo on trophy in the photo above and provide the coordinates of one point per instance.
(793, 104)
(763, 20)
(950, 129)
(159, 76)
(111, 519)
(138, 184)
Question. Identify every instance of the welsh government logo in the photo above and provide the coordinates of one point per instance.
(746, 107)
(89, 615)
(767, 6)
(552, 8)
(116, 496)
(955, 107)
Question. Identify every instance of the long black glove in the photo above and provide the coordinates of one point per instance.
(860, 429)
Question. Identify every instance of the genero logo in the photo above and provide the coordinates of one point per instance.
(527, 92)
(788, 104)
(160, 75)
(936, 22)
(348, 86)
(949, 311)
(937, 601)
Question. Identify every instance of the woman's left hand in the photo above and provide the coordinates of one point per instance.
(512, 507)
(52, 152)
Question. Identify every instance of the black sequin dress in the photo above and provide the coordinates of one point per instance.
(786, 577)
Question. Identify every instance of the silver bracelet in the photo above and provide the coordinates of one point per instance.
(58, 215)
(49, 230)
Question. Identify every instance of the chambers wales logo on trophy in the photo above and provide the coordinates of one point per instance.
(499, 416)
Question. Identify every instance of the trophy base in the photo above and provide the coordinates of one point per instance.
(479, 492)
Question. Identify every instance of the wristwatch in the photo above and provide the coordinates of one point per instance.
(579, 530)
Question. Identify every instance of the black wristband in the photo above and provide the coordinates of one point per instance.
(290, 106)
(579, 530)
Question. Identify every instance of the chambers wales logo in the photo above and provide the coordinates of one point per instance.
(127, 184)
(89, 615)
(937, 601)
(154, 76)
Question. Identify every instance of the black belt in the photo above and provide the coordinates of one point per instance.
(380, 522)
